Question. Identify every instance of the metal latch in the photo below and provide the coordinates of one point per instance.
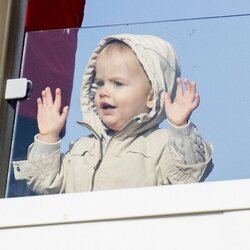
(19, 88)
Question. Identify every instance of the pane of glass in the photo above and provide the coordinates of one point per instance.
(214, 52)
(124, 12)
(48, 60)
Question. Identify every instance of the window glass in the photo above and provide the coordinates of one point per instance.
(117, 12)
(48, 60)
(214, 52)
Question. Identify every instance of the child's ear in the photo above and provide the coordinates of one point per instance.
(150, 99)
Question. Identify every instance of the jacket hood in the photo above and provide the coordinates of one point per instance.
(161, 65)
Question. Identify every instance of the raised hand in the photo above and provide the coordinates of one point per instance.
(186, 100)
(50, 120)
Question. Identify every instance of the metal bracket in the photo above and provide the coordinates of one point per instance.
(19, 88)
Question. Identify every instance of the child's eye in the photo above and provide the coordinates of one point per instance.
(118, 84)
(99, 84)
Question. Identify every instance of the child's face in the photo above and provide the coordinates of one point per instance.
(123, 88)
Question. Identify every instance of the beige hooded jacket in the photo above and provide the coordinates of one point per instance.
(140, 155)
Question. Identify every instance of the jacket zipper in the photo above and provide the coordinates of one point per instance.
(93, 176)
(100, 157)
(101, 153)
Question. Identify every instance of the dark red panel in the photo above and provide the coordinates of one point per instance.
(54, 14)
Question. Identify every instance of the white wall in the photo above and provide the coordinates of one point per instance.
(213, 215)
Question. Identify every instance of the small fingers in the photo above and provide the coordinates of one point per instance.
(187, 85)
(39, 104)
(190, 90)
(65, 113)
(47, 96)
(179, 91)
(189, 93)
(46, 101)
(58, 98)
(193, 87)
(196, 101)
(190, 87)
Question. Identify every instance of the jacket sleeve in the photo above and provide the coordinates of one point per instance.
(44, 169)
(187, 158)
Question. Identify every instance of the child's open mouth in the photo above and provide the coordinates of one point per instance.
(107, 106)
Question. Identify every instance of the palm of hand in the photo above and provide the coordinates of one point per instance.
(179, 111)
(50, 121)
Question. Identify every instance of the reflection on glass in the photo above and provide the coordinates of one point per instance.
(48, 60)
(214, 52)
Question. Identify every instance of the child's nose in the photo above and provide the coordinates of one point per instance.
(104, 91)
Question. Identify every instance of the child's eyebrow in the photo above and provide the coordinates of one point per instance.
(110, 77)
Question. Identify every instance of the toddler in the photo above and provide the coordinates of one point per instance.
(131, 84)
